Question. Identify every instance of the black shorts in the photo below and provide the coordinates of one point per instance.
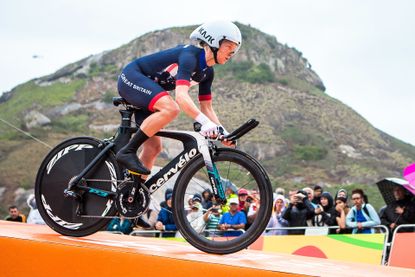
(138, 89)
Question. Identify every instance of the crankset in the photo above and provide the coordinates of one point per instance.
(132, 199)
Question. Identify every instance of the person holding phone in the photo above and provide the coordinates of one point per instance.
(299, 210)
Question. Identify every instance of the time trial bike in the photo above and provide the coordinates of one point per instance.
(80, 186)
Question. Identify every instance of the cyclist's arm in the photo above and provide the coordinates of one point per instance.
(207, 108)
(186, 103)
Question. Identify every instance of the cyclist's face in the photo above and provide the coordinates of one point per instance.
(226, 51)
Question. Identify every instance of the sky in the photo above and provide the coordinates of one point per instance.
(362, 50)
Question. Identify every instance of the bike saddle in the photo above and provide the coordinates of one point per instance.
(119, 101)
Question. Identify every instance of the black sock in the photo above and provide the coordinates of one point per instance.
(139, 138)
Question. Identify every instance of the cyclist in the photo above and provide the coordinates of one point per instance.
(145, 81)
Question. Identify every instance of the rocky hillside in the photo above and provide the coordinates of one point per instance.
(305, 136)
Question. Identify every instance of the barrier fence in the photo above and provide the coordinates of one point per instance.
(317, 242)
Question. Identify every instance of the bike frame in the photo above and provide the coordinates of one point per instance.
(193, 144)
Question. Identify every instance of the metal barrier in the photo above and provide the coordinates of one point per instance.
(154, 232)
(383, 230)
(115, 232)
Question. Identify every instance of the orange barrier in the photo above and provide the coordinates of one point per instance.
(402, 250)
(33, 250)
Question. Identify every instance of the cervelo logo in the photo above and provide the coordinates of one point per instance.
(208, 37)
(63, 152)
(184, 159)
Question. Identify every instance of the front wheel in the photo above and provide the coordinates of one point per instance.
(237, 171)
(62, 164)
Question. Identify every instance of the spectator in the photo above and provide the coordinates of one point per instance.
(362, 215)
(310, 196)
(325, 213)
(401, 211)
(252, 206)
(15, 215)
(341, 193)
(188, 207)
(342, 209)
(212, 219)
(164, 203)
(34, 216)
(230, 192)
(197, 198)
(195, 217)
(276, 220)
(298, 211)
(120, 224)
(165, 220)
(280, 191)
(317, 190)
(242, 196)
(233, 220)
(207, 199)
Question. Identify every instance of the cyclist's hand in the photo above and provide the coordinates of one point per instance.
(209, 129)
(229, 143)
(225, 142)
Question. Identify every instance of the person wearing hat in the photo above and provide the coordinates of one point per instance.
(195, 216)
(233, 220)
(325, 213)
(165, 220)
(276, 220)
(242, 197)
(230, 192)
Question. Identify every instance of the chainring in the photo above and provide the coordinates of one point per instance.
(132, 207)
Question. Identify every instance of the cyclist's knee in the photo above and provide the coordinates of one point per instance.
(173, 110)
(167, 106)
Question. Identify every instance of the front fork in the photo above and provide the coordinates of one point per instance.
(214, 177)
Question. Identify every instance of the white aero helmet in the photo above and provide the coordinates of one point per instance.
(213, 32)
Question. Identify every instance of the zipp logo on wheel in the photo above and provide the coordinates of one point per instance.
(63, 152)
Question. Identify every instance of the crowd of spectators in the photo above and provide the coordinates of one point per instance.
(308, 207)
(318, 208)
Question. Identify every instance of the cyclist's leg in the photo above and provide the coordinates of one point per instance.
(166, 110)
(143, 92)
(151, 148)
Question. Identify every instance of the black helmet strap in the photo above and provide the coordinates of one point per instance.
(215, 53)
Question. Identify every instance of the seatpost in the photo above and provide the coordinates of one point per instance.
(124, 131)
